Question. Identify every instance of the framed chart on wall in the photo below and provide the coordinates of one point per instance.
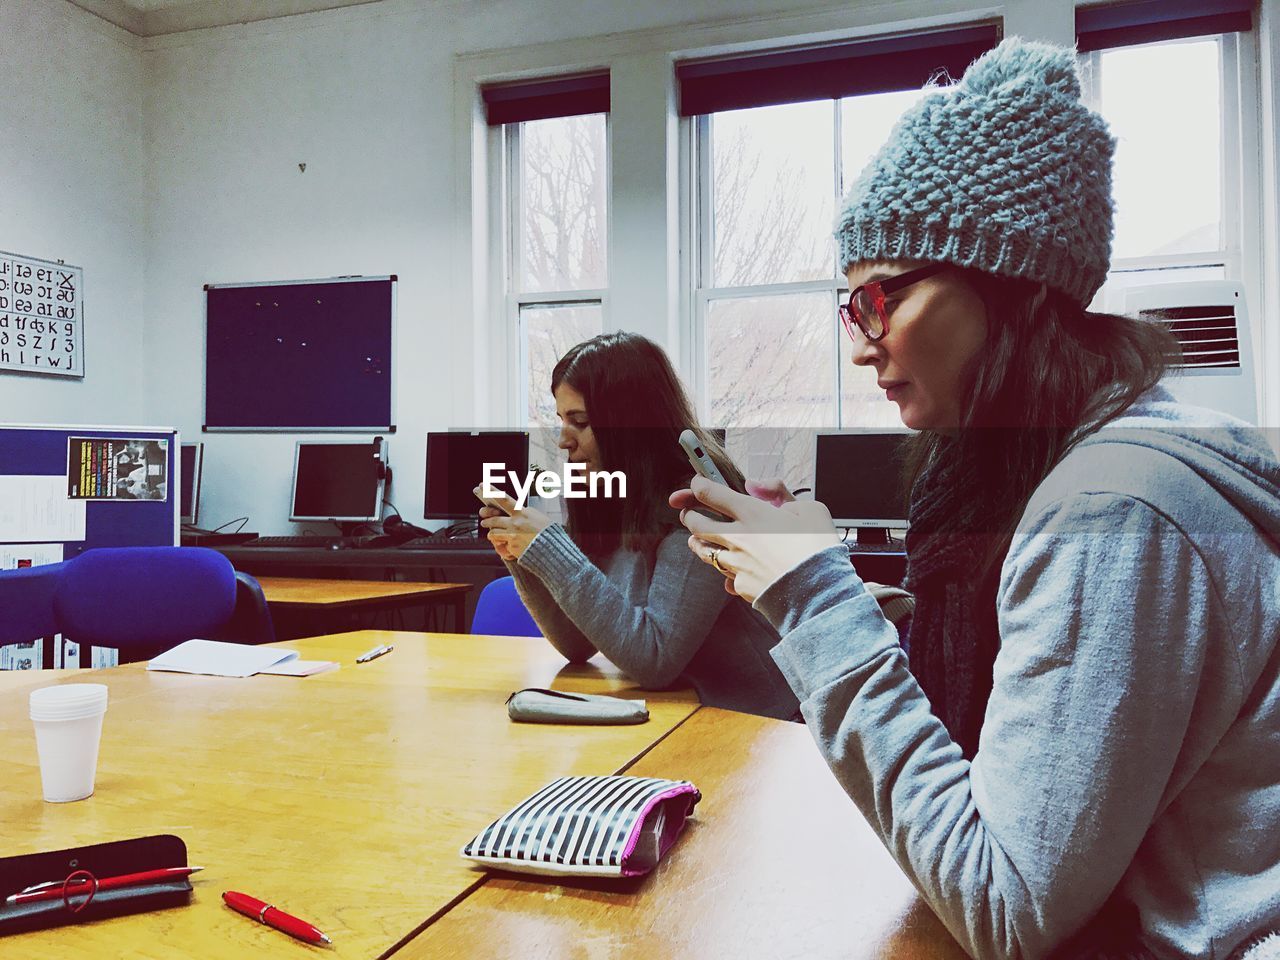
(300, 355)
(41, 316)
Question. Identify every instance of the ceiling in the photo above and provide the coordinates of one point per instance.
(152, 18)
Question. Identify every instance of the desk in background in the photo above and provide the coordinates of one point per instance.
(305, 606)
(883, 565)
(342, 797)
(251, 558)
(474, 565)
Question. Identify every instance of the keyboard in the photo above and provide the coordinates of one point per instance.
(312, 542)
(441, 543)
(896, 546)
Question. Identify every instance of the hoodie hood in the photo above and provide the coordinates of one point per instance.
(1231, 456)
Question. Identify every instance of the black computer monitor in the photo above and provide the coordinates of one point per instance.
(192, 462)
(455, 466)
(338, 481)
(858, 476)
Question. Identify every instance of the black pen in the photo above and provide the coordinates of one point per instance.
(375, 653)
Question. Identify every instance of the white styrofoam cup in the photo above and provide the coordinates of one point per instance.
(68, 722)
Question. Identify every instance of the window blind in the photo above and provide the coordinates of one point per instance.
(794, 75)
(1148, 21)
(547, 98)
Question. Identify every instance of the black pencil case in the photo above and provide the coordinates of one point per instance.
(101, 860)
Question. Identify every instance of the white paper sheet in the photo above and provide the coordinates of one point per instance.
(29, 554)
(38, 509)
(301, 668)
(218, 659)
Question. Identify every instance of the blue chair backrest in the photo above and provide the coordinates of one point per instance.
(26, 603)
(144, 597)
(501, 612)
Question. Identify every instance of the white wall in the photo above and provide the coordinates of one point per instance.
(365, 97)
(71, 188)
(232, 113)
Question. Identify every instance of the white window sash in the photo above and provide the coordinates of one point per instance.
(509, 268)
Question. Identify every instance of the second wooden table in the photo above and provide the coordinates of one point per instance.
(312, 602)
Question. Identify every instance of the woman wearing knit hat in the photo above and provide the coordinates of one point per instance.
(1079, 754)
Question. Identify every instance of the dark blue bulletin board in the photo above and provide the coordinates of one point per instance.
(41, 451)
(300, 355)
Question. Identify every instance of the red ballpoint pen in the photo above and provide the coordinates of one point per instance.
(265, 913)
(55, 889)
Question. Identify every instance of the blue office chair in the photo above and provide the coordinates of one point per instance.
(501, 612)
(26, 603)
(143, 600)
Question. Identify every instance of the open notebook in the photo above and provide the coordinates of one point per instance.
(218, 659)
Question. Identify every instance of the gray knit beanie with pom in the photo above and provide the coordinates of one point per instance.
(1005, 171)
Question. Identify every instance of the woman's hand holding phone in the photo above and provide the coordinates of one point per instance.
(510, 530)
(757, 542)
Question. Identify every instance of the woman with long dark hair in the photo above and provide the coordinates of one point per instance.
(620, 580)
(1076, 752)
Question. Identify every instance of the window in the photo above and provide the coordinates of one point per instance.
(777, 139)
(775, 358)
(555, 219)
(1177, 200)
(1167, 79)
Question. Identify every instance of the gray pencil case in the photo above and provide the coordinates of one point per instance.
(536, 705)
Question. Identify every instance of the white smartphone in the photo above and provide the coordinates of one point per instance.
(489, 502)
(699, 458)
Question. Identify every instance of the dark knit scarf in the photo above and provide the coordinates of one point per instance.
(954, 637)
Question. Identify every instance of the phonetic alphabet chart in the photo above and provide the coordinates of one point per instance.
(41, 316)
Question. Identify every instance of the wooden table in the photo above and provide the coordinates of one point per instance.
(315, 601)
(396, 763)
(312, 793)
(776, 862)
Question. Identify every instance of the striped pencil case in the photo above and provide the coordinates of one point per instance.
(588, 826)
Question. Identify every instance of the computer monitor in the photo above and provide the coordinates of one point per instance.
(455, 466)
(338, 481)
(192, 462)
(858, 476)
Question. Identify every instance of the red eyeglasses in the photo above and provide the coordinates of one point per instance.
(866, 303)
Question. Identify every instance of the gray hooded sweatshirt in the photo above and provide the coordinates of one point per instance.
(663, 620)
(1131, 744)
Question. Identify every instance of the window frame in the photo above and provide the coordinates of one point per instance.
(701, 266)
(1234, 173)
(1239, 256)
(507, 222)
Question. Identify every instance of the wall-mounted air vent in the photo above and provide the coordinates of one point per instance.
(1211, 323)
(1207, 334)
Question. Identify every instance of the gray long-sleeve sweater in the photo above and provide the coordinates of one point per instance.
(1131, 745)
(660, 621)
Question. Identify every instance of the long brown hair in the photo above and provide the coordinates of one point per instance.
(637, 409)
(1049, 373)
